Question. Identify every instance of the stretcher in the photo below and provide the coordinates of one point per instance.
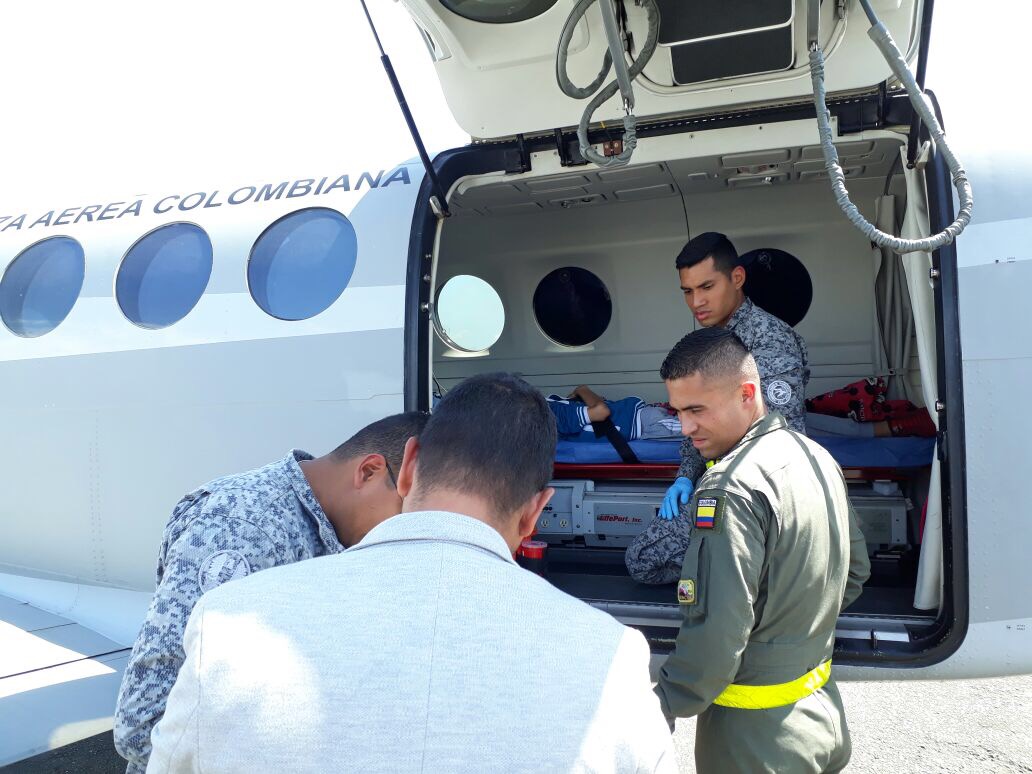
(860, 458)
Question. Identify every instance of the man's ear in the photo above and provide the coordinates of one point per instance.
(407, 471)
(750, 392)
(738, 277)
(532, 511)
(368, 468)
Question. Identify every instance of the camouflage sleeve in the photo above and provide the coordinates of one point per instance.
(785, 392)
(656, 554)
(784, 373)
(179, 725)
(213, 549)
(692, 464)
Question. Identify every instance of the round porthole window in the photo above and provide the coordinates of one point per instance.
(40, 286)
(468, 315)
(498, 11)
(572, 306)
(302, 263)
(164, 274)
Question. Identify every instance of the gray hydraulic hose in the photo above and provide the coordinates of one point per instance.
(880, 35)
(615, 46)
(630, 138)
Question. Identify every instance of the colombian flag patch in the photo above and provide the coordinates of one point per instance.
(705, 512)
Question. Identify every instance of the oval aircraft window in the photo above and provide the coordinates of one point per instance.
(469, 315)
(164, 274)
(41, 285)
(302, 263)
(498, 11)
(572, 306)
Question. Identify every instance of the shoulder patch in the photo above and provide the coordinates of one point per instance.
(220, 567)
(707, 512)
(686, 591)
(779, 393)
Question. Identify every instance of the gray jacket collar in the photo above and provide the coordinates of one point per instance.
(437, 526)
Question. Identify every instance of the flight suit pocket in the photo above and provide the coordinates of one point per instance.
(691, 588)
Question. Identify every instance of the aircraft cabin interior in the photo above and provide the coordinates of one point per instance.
(569, 279)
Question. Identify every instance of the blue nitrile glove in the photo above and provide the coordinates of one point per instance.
(679, 493)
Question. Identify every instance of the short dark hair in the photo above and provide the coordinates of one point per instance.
(713, 352)
(386, 436)
(709, 245)
(492, 436)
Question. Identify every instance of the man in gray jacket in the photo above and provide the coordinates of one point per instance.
(424, 647)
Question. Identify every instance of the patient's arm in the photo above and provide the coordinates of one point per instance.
(598, 411)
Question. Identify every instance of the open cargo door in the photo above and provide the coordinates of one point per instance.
(496, 60)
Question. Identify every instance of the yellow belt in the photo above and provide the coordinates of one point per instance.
(769, 696)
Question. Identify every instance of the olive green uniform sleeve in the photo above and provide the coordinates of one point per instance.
(718, 589)
(859, 562)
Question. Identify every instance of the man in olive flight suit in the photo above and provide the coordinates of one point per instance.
(774, 555)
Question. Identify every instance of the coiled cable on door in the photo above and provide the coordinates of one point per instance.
(624, 75)
(880, 35)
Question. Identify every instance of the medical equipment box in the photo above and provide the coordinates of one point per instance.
(883, 520)
(603, 515)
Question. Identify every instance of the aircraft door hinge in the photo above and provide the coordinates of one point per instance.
(921, 156)
(439, 211)
(517, 160)
(568, 149)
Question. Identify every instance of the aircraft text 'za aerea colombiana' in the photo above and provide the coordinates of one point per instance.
(289, 189)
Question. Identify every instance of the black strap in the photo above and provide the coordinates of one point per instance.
(608, 429)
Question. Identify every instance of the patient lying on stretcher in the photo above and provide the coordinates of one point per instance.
(858, 410)
(579, 417)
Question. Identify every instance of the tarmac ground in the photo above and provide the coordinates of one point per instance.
(921, 727)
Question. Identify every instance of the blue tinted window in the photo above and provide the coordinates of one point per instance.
(302, 263)
(41, 285)
(164, 275)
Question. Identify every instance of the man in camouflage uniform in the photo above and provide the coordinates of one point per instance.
(775, 555)
(294, 509)
(712, 281)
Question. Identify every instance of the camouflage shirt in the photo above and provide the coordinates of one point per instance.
(229, 528)
(656, 554)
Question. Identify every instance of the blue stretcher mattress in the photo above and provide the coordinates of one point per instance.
(848, 452)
